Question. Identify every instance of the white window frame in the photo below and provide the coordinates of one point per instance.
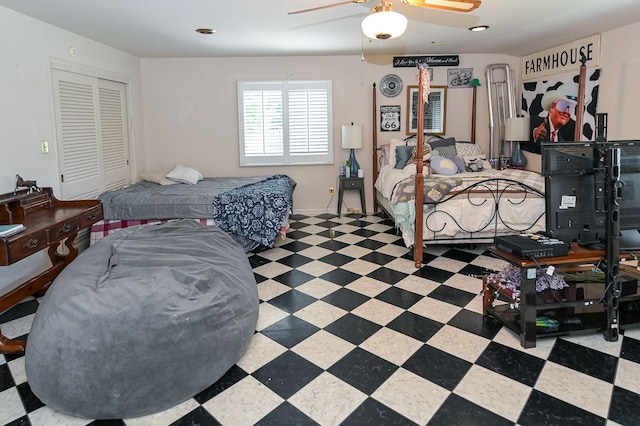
(321, 135)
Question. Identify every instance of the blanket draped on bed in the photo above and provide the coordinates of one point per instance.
(404, 209)
(256, 211)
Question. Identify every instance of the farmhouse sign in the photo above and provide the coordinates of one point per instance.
(564, 58)
(432, 61)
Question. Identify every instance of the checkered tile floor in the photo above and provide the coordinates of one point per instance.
(350, 333)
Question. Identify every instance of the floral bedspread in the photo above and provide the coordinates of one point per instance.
(256, 211)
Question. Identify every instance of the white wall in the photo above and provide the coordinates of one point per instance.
(191, 113)
(620, 82)
(619, 85)
(28, 47)
(190, 108)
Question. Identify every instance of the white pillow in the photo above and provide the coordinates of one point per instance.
(158, 178)
(476, 163)
(184, 174)
(466, 148)
(392, 150)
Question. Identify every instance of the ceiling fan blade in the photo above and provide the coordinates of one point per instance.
(454, 5)
(327, 6)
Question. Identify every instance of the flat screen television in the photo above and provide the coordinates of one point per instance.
(574, 208)
(629, 193)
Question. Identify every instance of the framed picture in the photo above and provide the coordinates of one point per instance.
(390, 118)
(459, 77)
(430, 74)
(434, 111)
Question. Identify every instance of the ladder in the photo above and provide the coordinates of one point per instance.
(502, 105)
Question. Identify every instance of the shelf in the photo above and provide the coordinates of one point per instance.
(592, 310)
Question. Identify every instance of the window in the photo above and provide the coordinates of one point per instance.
(285, 123)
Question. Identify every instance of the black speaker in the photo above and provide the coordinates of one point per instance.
(601, 127)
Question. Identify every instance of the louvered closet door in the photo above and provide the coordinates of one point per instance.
(91, 129)
(113, 129)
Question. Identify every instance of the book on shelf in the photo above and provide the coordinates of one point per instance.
(9, 230)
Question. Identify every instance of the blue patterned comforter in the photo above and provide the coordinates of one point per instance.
(256, 211)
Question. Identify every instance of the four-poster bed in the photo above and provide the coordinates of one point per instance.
(472, 204)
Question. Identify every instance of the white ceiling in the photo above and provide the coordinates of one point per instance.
(166, 28)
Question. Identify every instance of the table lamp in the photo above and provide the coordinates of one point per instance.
(516, 131)
(352, 139)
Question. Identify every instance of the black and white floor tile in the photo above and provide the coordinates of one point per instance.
(350, 333)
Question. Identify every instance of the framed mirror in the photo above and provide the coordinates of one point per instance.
(434, 111)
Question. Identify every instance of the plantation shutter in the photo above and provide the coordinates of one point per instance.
(285, 123)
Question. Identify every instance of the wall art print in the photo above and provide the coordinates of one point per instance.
(390, 118)
(552, 100)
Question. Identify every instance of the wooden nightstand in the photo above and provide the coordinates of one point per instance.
(347, 183)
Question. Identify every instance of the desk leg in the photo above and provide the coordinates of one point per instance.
(340, 194)
(36, 286)
(363, 202)
(11, 347)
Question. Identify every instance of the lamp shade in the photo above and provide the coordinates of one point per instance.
(384, 24)
(517, 129)
(352, 136)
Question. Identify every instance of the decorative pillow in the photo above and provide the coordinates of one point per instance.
(466, 148)
(462, 167)
(426, 152)
(158, 178)
(384, 157)
(393, 144)
(403, 155)
(446, 147)
(475, 163)
(184, 174)
(443, 166)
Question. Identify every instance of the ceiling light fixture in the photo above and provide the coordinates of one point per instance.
(384, 24)
(479, 28)
(205, 31)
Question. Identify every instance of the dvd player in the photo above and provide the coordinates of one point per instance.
(530, 246)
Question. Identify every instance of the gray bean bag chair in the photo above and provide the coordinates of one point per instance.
(141, 321)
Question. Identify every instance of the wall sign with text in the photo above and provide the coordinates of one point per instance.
(564, 58)
(432, 61)
(390, 118)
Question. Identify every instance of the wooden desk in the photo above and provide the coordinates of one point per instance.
(48, 222)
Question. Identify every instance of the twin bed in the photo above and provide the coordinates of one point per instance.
(253, 210)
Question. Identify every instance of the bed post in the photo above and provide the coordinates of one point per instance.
(374, 139)
(419, 194)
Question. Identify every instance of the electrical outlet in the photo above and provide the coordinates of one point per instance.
(45, 147)
(356, 211)
(331, 190)
(349, 210)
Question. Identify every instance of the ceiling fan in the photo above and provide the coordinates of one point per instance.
(453, 5)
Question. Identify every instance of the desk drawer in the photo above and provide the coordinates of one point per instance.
(64, 229)
(92, 216)
(28, 245)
